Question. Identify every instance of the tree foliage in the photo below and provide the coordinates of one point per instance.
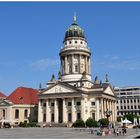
(79, 123)
(130, 117)
(104, 122)
(119, 119)
(91, 122)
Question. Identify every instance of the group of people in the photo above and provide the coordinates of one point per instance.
(118, 132)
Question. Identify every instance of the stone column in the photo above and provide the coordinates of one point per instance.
(56, 111)
(97, 109)
(65, 115)
(65, 65)
(48, 115)
(79, 63)
(102, 108)
(110, 108)
(89, 66)
(115, 111)
(73, 111)
(83, 109)
(40, 113)
(72, 67)
(61, 67)
(86, 65)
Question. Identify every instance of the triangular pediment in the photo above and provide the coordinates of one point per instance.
(109, 91)
(60, 88)
(5, 103)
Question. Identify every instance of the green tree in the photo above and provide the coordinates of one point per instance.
(79, 123)
(130, 117)
(104, 121)
(91, 122)
(119, 119)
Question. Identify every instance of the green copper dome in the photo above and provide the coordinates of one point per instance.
(74, 31)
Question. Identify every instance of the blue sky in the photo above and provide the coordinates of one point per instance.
(31, 35)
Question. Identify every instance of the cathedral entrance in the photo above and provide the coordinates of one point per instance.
(60, 110)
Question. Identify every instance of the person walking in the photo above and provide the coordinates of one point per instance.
(114, 131)
(117, 132)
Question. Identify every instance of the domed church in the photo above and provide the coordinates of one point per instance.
(74, 95)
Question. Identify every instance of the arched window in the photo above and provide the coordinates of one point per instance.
(16, 113)
(26, 114)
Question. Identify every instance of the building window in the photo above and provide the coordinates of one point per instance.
(124, 107)
(75, 42)
(127, 107)
(81, 42)
(26, 114)
(138, 100)
(3, 113)
(52, 117)
(135, 107)
(44, 117)
(121, 101)
(78, 103)
(76, 68)
(69, 117)
(127, 101)
(16, 113)
(139, 113)
(131, 107)
(65, 43)
(131, 101)
(124, 101)
(117, 107)
(117, 101)
(121, 113)
(69, 103)
(52, 104)
(121, 107)
(69, 42)
(93, 116)
(44, 104)
(134, 101)
(92, 103)
(138, 106)
(78, 116)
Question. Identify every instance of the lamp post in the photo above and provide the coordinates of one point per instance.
(108, 113)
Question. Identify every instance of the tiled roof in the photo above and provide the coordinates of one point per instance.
(2, 95)
(23, 95)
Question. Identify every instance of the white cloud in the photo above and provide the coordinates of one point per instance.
(111, 57)
(126, 65)
(44, 64)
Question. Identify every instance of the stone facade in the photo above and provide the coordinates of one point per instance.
(74, 95)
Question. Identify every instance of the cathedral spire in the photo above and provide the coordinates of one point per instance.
(75, 18)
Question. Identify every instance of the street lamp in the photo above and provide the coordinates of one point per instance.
(108, 113)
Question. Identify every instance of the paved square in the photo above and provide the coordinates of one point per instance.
(70, 133)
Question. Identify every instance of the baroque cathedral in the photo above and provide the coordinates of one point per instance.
(74, 95)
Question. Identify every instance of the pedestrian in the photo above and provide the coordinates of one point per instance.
(123, 131)
(114, 131)
(117, 132)
(50, 124)
(120, 132)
